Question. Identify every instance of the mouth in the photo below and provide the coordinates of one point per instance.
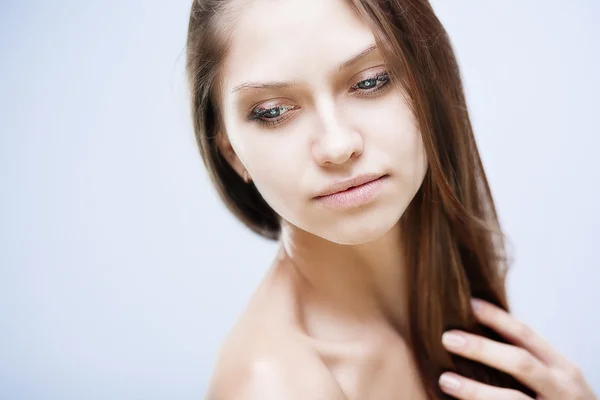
(352, 193)
(349, 184)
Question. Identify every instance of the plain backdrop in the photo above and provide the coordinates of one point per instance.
(120, 269)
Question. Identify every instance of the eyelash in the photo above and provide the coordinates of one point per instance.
(381, 77)
(259, 113)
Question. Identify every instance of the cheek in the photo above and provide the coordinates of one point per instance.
(277, 162)
(409, 151)
(263, 151)
(392, 133)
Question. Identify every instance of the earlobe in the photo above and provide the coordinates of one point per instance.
(224, 146)
(227, 152)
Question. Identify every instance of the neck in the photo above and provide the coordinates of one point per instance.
(355, 283)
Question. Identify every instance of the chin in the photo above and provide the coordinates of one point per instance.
(354, 230)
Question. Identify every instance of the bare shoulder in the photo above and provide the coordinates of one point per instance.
(264, 358)
(271, 377)
(269, 365)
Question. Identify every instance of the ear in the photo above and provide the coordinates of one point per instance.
(227, 152)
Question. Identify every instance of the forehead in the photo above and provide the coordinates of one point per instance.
(291, 40)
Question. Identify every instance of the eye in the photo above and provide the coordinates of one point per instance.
(372, 84)
(274, 112)
(270, 116)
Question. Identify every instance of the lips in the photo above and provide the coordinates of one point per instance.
(351, 194)
(342, 186)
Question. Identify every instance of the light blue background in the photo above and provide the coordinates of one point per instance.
(120, 270)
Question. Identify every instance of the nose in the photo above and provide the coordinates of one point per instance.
(337, 142)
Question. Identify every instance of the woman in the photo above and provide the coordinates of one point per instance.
(340, 129)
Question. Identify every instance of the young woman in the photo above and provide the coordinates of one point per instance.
(339, 128)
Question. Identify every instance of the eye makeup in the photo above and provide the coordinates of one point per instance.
(370, 85)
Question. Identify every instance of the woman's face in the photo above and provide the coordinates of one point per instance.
(307, 103)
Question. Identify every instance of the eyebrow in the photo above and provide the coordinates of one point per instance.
(358, 57)
(263, 85)
(283, 85)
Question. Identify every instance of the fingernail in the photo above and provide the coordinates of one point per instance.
(454, 340)
(449, 383)
(476, 304)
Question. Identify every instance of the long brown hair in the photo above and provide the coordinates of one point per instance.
(454, 245)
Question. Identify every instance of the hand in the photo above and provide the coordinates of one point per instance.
(530, 360)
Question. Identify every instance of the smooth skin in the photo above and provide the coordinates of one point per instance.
(306, 101)
(290, 345)
(531, 360)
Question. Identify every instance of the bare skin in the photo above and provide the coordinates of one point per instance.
(321, 323)
(270, 354)
(306, 102)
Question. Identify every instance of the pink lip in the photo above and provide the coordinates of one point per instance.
(352, 193)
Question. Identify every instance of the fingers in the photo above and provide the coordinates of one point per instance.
(513, 360)
(468, 389)
(517, 332)
(529, 359)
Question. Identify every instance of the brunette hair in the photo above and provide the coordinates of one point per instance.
(454, 245)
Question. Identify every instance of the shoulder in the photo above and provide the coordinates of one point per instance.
(262, 371)
(271, 378)
(265, 357)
